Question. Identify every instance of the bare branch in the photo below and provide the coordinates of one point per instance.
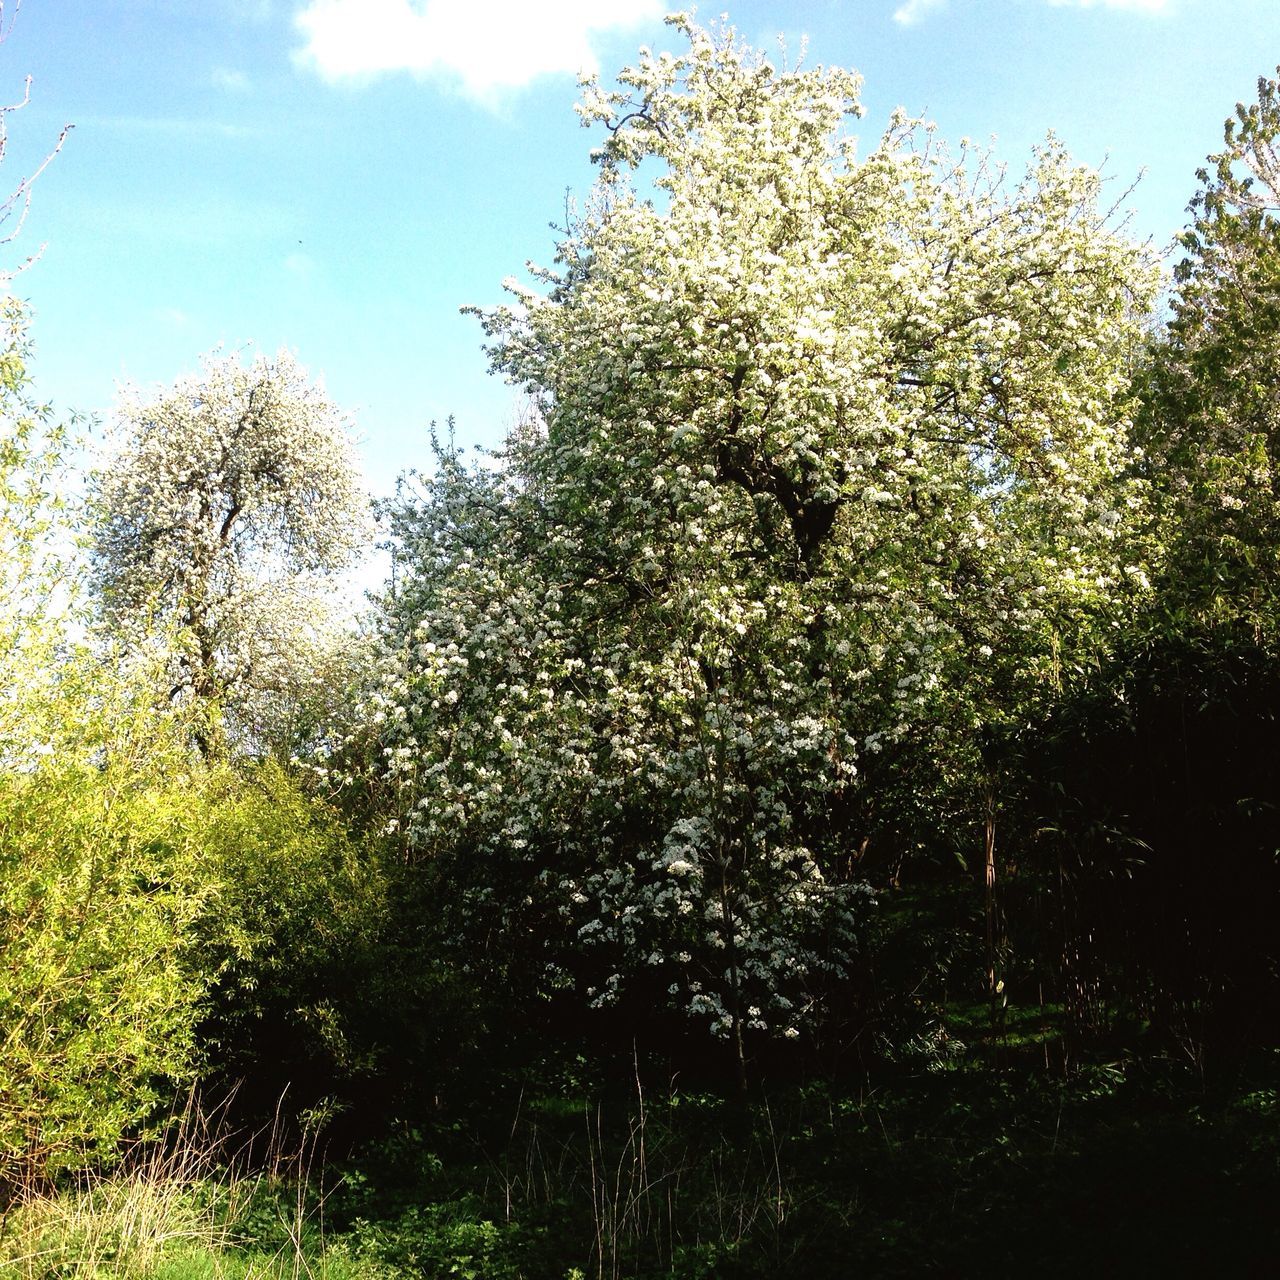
(18, 202)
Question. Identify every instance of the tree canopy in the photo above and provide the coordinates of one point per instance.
(1211, 428)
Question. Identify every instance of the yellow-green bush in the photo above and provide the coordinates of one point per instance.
(290, 938)
(135, 880)
(101, 876)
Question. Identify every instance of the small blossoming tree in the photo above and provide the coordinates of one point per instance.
(227, 507)
(829, 449)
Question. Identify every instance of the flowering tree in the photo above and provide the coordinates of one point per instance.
(230, 501)
(829, 455)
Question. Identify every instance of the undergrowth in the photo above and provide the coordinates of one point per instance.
(957, 1172)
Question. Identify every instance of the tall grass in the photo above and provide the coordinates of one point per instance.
(640, 1188)
(180, 1203)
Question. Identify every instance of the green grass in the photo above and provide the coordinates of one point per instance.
(1127, 1168)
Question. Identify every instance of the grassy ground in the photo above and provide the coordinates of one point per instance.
(1122, 1171)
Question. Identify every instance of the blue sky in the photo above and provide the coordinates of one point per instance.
(340, 176)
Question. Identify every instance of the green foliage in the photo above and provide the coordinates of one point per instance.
(957, 1173)
(97, 1008)
(133, 876)
(34, 574)
(450, 1239)
(157, 911)
(295, 944)
(1152, 784)
(1211, 427)
(95, 868)
(138, 885)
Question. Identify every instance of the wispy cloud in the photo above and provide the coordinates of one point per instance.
(484, 46)
(174, 317)
(1133, 5)
(178, 126)
(229, 80)
(1136, 6)
(914, 11)
(301, 265)
(911, 12)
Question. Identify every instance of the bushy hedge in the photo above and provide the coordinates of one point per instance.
(141, 889)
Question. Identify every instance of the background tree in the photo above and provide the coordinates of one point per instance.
(34, 581)
(146, 896)
(1211, 430)
(229, 502)
(1160, 768)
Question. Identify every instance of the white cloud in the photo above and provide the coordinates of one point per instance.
(914, 11)
(486, 46)
(1137, 6)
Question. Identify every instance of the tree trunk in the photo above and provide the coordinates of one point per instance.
(995, 983)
